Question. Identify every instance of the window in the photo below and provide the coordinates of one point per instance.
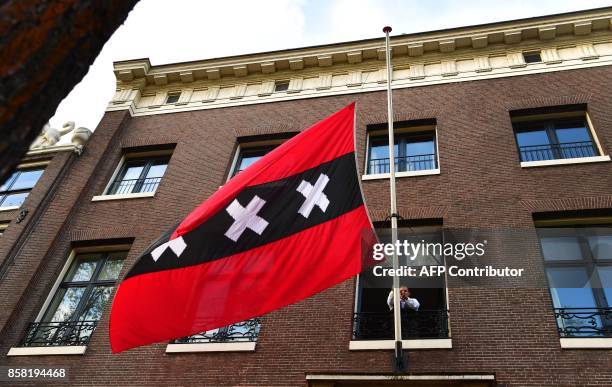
(139, 175)
(532, 57)
(373, 319)
(281, 86)
(566, 136)
(578, 264)
(415, 150)
(248, 156)
(173, 98)
(253, 148)
(77, 305)
(16, 189)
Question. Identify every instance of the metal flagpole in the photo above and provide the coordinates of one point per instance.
(397, 321)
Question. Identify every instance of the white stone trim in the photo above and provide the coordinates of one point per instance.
(50, 350)
(136, 195)
(211, 347)
(378, 176)
(399, 377)
(586, 343)
(326, 89)
(11, 208)
(369, 345)
(52, 149)
(578, 160)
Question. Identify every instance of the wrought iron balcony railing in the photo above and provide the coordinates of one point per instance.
(567, 150)
(403, 164)
(134, 186)
(239, 332)
(42, 334)
(422, 324)
(584, 322)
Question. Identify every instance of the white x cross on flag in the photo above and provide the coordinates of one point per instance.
(246, 217)
(314, 195)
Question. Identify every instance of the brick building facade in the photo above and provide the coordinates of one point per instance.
(466, 89)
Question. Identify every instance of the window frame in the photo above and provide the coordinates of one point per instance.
(125, 157)
(72, 349)
(429, 226)
(401, 129)
(12, 179)
(548, 118)
(589, 264)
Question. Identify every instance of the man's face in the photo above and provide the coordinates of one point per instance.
(404, 292)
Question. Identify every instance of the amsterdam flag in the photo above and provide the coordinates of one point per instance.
(289, 226)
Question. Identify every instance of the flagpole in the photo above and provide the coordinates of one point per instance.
(397, 320)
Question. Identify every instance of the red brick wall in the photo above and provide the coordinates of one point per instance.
(509, 332)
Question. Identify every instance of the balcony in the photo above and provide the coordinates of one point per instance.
(569, 150)
(403, 164)
(123, 187)
(241, 336)
(584, 322)
(422, 324)
(239, 332)
(71, 333)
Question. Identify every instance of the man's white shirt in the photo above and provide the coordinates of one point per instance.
(409, 303)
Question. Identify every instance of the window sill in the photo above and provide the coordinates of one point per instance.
(378, 176)
(586, 343)
(11, 208)
(367, 345)
(579, 160)
(100, 198)
(211, 347)
(42, 351)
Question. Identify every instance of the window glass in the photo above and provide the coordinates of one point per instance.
(532, 138)
(173, 98)
(27, 179)
(601, 246)
(65, 304)
(560, 248)
(420, 148)
(83, 268)
(157, 170)
(132, 172)
(605, 276)
(92, 310)
(248, 157)
(111, 269)
(8, 182)
(570, 287)
(12, 200)
(573, 134)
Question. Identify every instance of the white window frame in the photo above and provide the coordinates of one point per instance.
(373, 345)
(104, 196)
(601, 157)
(59, 349)
(401, 130)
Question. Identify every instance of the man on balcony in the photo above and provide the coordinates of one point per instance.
(406, 303)
(409, 307)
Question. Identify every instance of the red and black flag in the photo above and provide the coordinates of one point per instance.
(289, 226)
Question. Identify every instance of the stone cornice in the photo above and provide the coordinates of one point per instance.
(574, 40)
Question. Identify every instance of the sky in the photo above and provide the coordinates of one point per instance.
(184, 30)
